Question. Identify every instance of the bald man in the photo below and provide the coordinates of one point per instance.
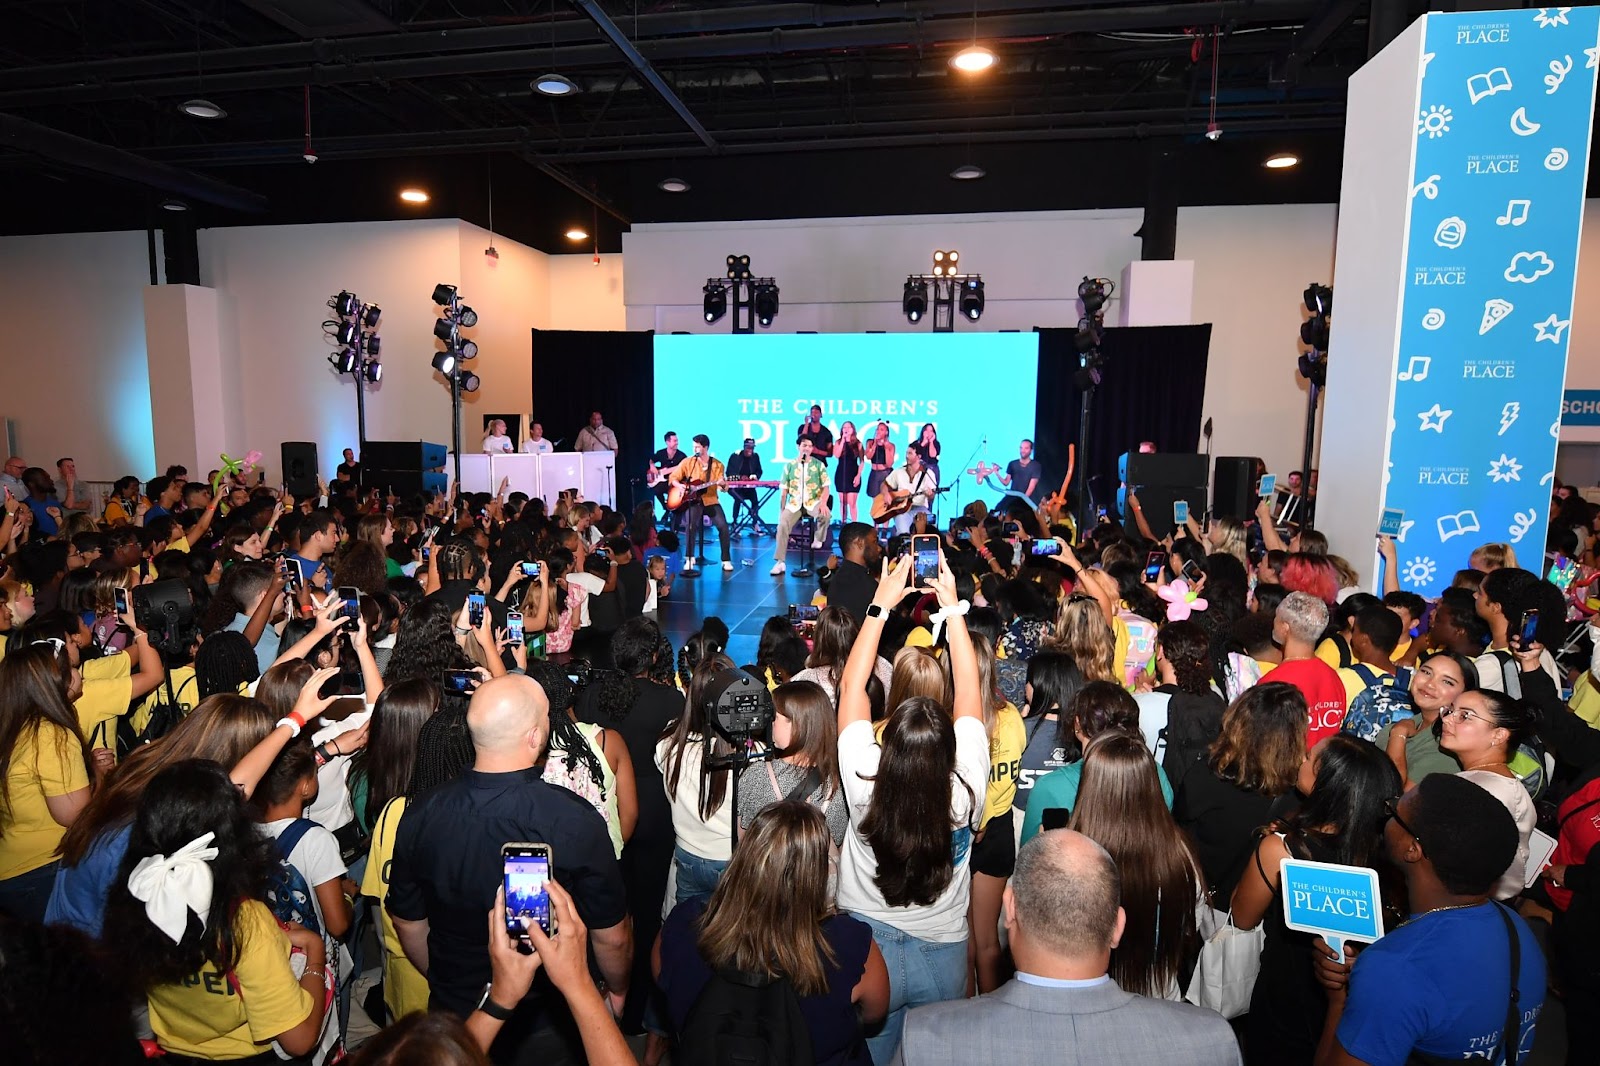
(1062, 911)
(447, 867)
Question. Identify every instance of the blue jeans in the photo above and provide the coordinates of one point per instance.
(26, 895)
(697, 877)
(920, 971)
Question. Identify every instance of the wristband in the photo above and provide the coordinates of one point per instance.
(294, 723)
(955, 610)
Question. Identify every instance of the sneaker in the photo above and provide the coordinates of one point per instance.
(816, 542)
(727, 566)
(689, 565)
(777, 569)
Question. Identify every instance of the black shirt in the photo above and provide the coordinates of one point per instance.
(447, 866)
(454, 593)
(352, 470)
(654, 706)
(1021, 473)
(664, 462)
(741, 465)
(852, 587)
(821, 439)
(632, 588)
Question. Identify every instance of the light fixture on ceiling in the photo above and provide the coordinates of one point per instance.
(577, 233)
(553, 85)
(973, 59)
(201, 108)
(174, 205)
(414, 196)
(672, 185)
(968, 172)
(1281, 161)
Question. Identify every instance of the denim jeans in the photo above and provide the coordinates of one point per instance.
(920, 971)
(697, 877)
(26, 895)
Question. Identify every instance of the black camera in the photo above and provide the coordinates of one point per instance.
(165, 611)
(737, 705)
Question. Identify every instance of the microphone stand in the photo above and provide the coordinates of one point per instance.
(982, 444)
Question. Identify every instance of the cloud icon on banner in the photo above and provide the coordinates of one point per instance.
(1518, 270)
(1451, 233)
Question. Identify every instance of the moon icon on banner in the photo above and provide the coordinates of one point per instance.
(1520, 125)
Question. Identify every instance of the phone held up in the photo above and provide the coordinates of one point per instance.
(475, 605)
(1153, 562)
(514, 627)
(925, 559)
(1192, 572)
(461, 681)
(122, 601)
(526, 869)
(1528, 631)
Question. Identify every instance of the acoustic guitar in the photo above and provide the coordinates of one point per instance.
(884, 509)
(682, 492)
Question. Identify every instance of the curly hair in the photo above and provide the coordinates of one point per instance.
(1082, 632)
(223, 662)
(1263, 739)
(1187, 647)
(425, 645)
(363, 566)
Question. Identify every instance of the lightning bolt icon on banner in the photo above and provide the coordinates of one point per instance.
(1508, 416)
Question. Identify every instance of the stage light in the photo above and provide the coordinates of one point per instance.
(944, 263)
(174, 205)
(446, 330)
(553, 85)
(467, 316)
(374, 372)
(444, 361)
(576, 234)
(201, 108)
(716, 301)
(672, 185)
(1094, 293)
(346, 333)
(973, 59)
(371, 316)
(1319, 299)
(344, 360)
(739, 267)
(344, 304)
(374, 342)
(469, 381)
(968, 172)
(414, 196)
(766, 303)
(469, 349)
(972, 298)
(1314, 333)
(1281, 161)
(915, 301)
(444, 295)
(1087, 339)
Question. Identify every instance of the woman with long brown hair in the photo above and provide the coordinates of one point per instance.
(879, 454)
(847, 475)
(831, 641)
(702, 815)
(1120, 807)
(771, 916)
(45, 782)
(805, 736)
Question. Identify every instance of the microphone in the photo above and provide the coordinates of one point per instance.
(1206, 429)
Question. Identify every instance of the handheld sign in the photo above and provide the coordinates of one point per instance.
(1180, 511)
(1338, 902)
(1392, 522)
(1269, 482)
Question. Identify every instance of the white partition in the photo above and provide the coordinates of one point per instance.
(600, 477)
(521, 473)
(475, 472)
(557, 471)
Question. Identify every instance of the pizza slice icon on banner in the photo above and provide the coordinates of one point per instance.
(1493, 312)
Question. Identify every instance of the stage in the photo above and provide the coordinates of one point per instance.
(744, 599)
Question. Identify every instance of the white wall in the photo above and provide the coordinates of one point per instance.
(584, 295)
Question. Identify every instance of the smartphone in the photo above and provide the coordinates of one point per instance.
(514, 627)
(1180, 511)
(1153, 562)
(352, 601)
(1192, 572)
(536, 648)
(925, 558)
(804, 612)
(964, 535)
(475, 603)
(1529, 628)
(122, 602)
(291, 574)
(1046, 547)
(1269, 483)
(424, 555)
(527, 873)
(462, 681)
(531, 570)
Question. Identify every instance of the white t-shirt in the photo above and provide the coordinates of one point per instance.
(537, 447)
(1491, 676)
(332, 809)
(1153, 719)
(713, 839)
(652, 595)
(924, 482)
(945, 920)
(316, 856)
(1509, 791)
(497, 444)
(591, 586)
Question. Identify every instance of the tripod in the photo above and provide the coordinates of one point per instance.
(735, 761)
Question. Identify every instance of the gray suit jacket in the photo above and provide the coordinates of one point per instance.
(1102, 1026)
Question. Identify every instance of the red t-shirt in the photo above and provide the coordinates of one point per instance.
(1324, 694)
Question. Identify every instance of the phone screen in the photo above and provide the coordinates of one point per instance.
(804, 612)
(463, 681)
(1530, 626)
(1153, 562)
(475, 609)
(291, 574)
(925, 558)
(530, 570)
(1180, 511)
(1192, 572)
(527, 873)
(1046, 547)
(514, 627)
(352, 601)
(122, 601)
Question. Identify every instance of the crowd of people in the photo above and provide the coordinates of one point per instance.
(264, 758)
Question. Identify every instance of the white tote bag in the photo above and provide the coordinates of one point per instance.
(1230, 959)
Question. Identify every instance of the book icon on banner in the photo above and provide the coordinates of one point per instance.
(1494, 311)
(1481, 86)
(1458, 524)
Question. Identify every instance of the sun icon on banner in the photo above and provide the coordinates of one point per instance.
(1419, 571)
(1435, 121)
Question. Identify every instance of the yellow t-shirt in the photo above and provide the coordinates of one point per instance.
(107, 690)
(919, 637)
(207, 1017)
(1005, 762)
(1119, 631)
(1328, 652)
(116, 512)
(185, 692)
(46, 761)
(405, 991)
(1585, 701)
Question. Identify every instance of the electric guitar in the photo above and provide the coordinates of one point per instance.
(684, 491)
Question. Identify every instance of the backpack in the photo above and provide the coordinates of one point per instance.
(742, 1019)
(1382, 703)
(164, 718)
(288, 896)
(1577, 832)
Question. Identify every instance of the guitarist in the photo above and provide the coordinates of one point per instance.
(804, 491)
(914, 483)
(701, 474)
(661, 463)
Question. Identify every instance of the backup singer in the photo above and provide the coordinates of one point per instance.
(820, 436)
(847, 475)
(744, 464)
(804, 491)
(927, 446)
(701, 469)
(879, 453)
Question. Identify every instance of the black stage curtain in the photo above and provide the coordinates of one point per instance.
(576, 372)
(1152, 388)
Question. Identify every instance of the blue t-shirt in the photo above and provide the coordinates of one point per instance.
(80, 893)
(266, 647)
(156, 511)
(41, 517)
(1440, 985)
(308, 570)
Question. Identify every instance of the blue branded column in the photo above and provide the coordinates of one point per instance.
(1504, 109)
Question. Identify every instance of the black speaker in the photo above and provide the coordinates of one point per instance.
(1233, 486)
(1160, 479)
(403, 455)
(404, 483)
(300, 468)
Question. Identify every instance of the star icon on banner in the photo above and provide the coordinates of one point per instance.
(1547, 20)
(1594, 57)
(1433, 418)
(1505, 468)
(1405, 527)
(1551, 329)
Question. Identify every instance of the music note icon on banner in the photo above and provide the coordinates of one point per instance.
(1416, 369)
(1516, 213)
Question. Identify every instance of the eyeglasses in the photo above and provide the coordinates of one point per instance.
(1467, 714)
(1391, 807)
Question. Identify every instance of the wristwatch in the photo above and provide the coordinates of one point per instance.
(876, 610)
(493, 1009)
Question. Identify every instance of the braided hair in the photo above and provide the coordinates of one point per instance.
(565, 736)
(444, 750)
(223, 662)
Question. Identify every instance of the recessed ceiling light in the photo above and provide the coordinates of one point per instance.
(414, 196)
(972, 59)
(576, 234)
(968, 172)
(672, 185)
(202, 109)
(553, 85)
(1281, 161)
(174, 205)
